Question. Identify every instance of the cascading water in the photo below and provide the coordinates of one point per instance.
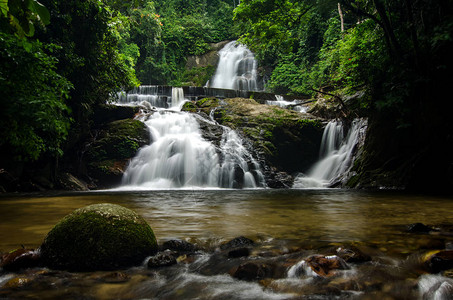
(179, 157)
(236, 69)
(281, 102)
(336, 154)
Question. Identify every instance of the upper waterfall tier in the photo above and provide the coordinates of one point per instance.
(236, 69)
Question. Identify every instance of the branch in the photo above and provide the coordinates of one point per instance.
(345, 109)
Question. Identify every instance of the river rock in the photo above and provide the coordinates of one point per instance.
(238, 242)
(179, 246)
(438, 261)
(67, 181)
(98, 237)
(250, 271)
(162, 259)
(352, 254)
(419, 228)
(20, 259)
(325, 266)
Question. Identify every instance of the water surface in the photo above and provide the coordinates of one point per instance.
(307, 219)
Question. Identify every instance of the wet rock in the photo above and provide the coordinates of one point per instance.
(179, 246)
(69, 182)
(20, 259)
(325, 266)
(162, 259)
(439, 261)
(250, 271)
(106, 113)
(17, 283)
(239, 252)
(236, 243)
(419, 228)
(352, 254)
(98, 237)
(108, 153)
(278, 180)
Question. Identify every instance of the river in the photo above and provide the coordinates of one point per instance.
(280, 220)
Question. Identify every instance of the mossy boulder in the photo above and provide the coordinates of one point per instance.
(109, 152)
(98, 237)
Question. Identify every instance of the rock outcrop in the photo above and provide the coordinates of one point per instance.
(284, 141)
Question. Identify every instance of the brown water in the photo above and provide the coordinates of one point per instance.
(275, 219)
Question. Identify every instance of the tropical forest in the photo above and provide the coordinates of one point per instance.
(226, 149)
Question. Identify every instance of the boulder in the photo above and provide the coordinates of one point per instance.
(98, 237)
(325, 266)
(115, 144)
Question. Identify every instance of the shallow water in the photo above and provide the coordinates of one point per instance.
(277, 220)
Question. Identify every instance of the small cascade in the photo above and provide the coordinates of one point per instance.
(236, 69)
(336, 154)
(179, 157)
(293, 105)
(177, 97)
(153, 95)
(239, 169)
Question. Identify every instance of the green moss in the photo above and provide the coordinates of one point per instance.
(118, 140)
(189, 107)
(98, 237)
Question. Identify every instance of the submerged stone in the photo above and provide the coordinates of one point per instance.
(98, 237)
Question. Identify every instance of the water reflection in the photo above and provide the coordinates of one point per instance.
(326, 215)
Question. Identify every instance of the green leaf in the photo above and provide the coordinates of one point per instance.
(39, 9)
(4, 8)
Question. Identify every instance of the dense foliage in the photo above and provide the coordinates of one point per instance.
(396, 51)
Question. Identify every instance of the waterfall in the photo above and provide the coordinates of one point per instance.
(236, 69)
(177, 97)
(293, 105)
(336, 154)
(179, 157)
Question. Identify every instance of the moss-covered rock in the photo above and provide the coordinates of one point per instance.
(287, 140)
(116, 143)
(98, 237)
(282, 139)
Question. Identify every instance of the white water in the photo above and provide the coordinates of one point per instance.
(236, 69)
(146, 95)
(179, 157)
(281, 102)
(336, 154)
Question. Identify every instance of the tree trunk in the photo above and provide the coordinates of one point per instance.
(340, 12)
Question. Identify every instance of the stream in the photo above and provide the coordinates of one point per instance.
(286, 225)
